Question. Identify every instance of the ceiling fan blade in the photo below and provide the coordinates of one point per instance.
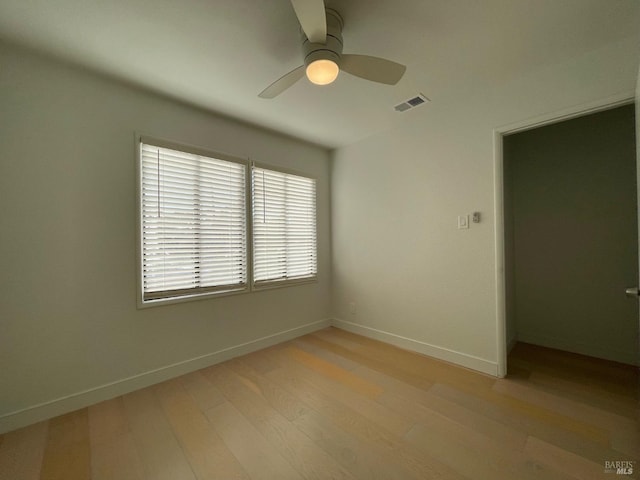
(284, 82)
(373, 68)
(312, 19)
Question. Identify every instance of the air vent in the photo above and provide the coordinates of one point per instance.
(411, 103)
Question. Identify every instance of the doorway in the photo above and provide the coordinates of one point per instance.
(571, 235)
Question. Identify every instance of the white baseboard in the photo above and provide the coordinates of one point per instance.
(43, 411)
(570, 345)
(462, 359)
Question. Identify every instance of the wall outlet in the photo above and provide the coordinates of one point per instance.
(352, 308)
(463, 221)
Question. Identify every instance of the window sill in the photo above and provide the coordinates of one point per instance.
(189, 298)
(269, 285)
(226, 293)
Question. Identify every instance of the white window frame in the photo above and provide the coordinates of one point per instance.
(141, 302)
(249, 247)
(278, 283)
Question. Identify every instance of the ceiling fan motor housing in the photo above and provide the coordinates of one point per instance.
(332, 49)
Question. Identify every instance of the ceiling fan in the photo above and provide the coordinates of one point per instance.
(323, 58)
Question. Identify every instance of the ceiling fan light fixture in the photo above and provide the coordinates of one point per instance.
(322, 71)
(321, 35)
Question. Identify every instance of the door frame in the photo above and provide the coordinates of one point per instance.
(498, 171)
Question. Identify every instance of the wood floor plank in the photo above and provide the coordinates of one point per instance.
(536, 413)
(508, 437)
(420, 365)
(409, 400)
(207, 454)
(334, 372)
(624, 432)
(561, 460)
(332, 335)
(260, 361)
(579, 367)
(347, 418)
(116, 461)
(594, 381)
(258, 458)
(555, 434)
(524, 408)
(516, 372)
(585, 393)
(159, 450)
(277, 397)
(391, 383)
(363, 459)
(483, 460)
(388, 358)
(114, 455)
(353, 422)
(303, 343)
(202, 392)
(67, 453)
(343, 393)
(304, 455)
(21, 452)
(368, 361)
(563, 406)
(333, 404)
(107, 421)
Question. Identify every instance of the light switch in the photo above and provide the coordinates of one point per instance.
(463, 221)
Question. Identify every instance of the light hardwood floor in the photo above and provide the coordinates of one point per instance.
(334, 405)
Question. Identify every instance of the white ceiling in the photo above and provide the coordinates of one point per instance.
(219, 54)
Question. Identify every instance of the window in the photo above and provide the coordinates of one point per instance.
(199, 213)
(193, 223)
(284, 227)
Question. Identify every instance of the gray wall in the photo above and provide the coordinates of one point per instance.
(574, 234)
(70, 332)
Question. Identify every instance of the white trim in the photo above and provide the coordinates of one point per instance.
(248, 163)
(141, 303)
(35, 413)
(139, 290)
(188, 297)
(574, 111)
(279, 283)
(288, 171)
(607, 103)
(452, 356)
(193, 149)
(501, 297)
(271, 284)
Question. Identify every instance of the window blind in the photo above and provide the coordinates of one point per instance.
(193, 223)
(284, 226)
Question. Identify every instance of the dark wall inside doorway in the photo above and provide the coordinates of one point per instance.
(571, 235)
